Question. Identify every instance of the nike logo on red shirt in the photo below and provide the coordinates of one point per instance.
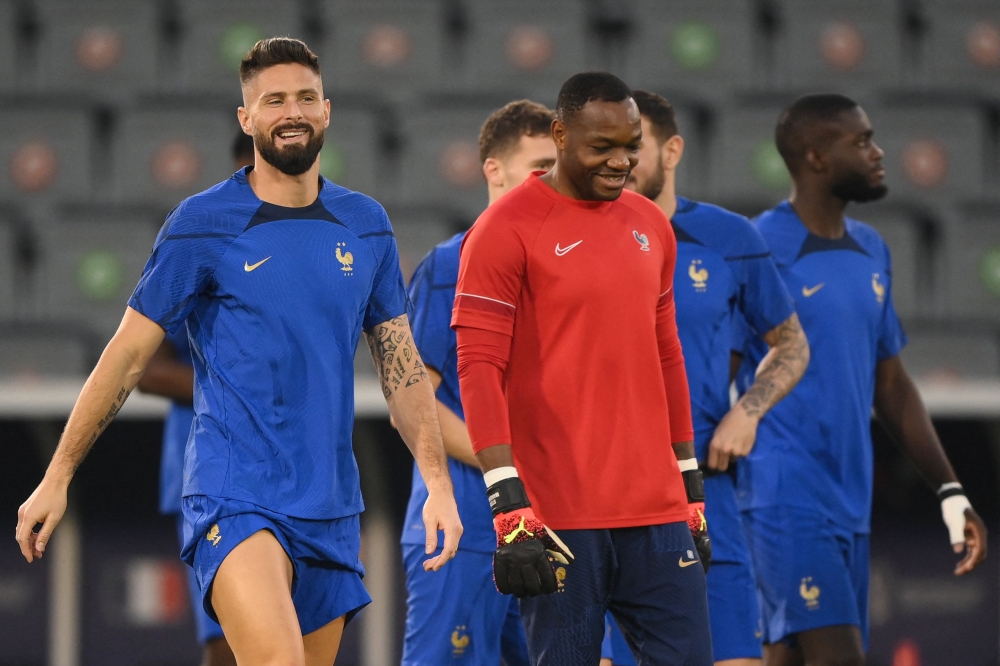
(560, 251)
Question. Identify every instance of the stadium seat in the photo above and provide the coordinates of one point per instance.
(42, 353)
(351, 150)
(842, 45)
(973, 270)
(100, 48)
(8, 42)
(931, 356)
(45, 154)
(417, 232)
(932, 152)
(217, 34)
(524, 47)
(165, 155)
(386, 46)
(91, 262)
(8, 255)
(963, 45)
(901, 232)
(745, 164)
(694, 46)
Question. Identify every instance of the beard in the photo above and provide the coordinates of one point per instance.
(652, 187)
(855, 187)
(292, 160)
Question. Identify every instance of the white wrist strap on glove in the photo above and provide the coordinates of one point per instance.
(953, 506)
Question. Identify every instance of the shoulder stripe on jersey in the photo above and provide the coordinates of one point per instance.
(683, 236)
(218, 234)
(487, 298)
(369, 234)
(269, 212)
(747, 257)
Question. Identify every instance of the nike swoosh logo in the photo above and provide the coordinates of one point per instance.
(247, 266)
(560, 251)
(809, 292)
(683, 564)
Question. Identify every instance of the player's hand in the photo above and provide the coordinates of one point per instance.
(699, 532)
(524, 563)
(441, 513)
(734, 438)
(47, 505)
(973, 543)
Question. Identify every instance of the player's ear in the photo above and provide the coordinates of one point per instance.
(493, 171)
(672, 151)
(815, 160)
(244, 117)
(559, 134)
(326, 113)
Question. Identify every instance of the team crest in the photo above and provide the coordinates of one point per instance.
(642, 240)
(810, 593)
(213, 535)
(560, 578)
(346, 259)
(878, 288)
(459, 641)
(698, 275)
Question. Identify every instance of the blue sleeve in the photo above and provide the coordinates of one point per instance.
(181, 266)
(891, 338)
(430, 314)
(764, 298)
(388, 297)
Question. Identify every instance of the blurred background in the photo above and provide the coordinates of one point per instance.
(112, 111)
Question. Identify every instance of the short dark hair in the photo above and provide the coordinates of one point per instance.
(242, 146)
(659, 112)
(589, 87)
(504, 128)
(276, 51)
(794, 134)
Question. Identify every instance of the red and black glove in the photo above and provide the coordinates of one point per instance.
(694, 484)
(524, 563)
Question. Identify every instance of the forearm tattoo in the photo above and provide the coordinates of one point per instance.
(781, 369)
(78, 453)
(396, 359)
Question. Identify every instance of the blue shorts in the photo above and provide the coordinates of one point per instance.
(208, 629)
(614, 646)
(732, 590)
(651, 581)
(456, 615)
(811, 573)
(325, 555)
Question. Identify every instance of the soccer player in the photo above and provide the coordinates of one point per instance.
(806, 487)
(572, 379)
(457, 615)
(724, 270)
(170, 374)
(276, 272)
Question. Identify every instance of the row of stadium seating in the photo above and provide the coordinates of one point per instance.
(108, 49)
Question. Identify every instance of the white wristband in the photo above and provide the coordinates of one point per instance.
(953, 511)
(688, 464)
(497, 475)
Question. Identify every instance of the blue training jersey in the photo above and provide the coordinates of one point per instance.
(275, 300)
(176, 428)
(814, 448)
(432, 294)
(724, 273)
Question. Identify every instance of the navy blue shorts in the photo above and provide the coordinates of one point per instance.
(456, 616)
(325, 555)
(651, 581)
(208, 629)
(811, 573)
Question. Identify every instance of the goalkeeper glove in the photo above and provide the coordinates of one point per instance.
(694, 484)
(953, 506)
(524, 563)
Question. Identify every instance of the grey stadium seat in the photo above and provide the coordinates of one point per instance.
(102, 48)
(843, 45)
(963, 45)
(932, 152)
(44, 353)
(525, 47)
(45, 155)
(901, 233)
(973, 270)
(351, 150)
(8, 249)
(694, 46)
(8, 44)
(951, 356)
(217, 34)
(91, 263)
(417, 232)
(745, 164)
(382, 45)
(164, 156)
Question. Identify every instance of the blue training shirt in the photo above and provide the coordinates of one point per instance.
(176, 428)
(814, 448)
(724, 268)
(432, 294)
(275, 300)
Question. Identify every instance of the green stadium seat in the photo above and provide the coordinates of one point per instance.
(45, 155)
(745, 164)
(973, 269)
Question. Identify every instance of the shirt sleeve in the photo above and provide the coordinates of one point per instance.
(482, 361)
(430, 314)
(388, 296)
(891, 338)
(671, 355)
(179, 269)
(763, 299)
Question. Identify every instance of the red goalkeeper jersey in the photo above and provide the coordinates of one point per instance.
(594, 384)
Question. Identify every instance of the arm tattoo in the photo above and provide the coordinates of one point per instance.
(396, 359)
(780, 370)
(82, 451)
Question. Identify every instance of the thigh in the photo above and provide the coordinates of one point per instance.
(566, 628)
(321, 646)
(734, 612)
(251, 595)
(208, 629)
(840, 645)
(660, 599)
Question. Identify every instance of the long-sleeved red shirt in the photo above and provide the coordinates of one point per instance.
(568, 351)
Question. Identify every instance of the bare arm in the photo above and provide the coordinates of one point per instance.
(167, 376)
(779, 372)
(410, 396)
(457, 443)
(899, 407)
(116, 374)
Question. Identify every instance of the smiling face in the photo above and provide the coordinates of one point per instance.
(284, 110)
(854, 161)
(598, 146)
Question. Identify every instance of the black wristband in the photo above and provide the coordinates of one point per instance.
(694, 484)
(507, 495)
(950, 492)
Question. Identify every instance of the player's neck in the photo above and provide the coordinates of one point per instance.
(280, 189)
(820, 211)
(560, 183)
